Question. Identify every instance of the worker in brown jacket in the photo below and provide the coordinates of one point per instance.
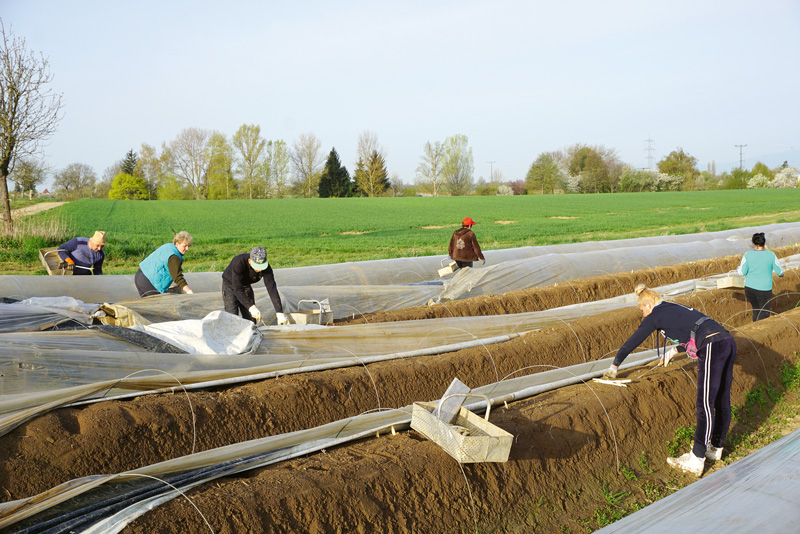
(464, 248)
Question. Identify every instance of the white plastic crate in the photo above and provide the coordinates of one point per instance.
(732, 281)
(468, 439)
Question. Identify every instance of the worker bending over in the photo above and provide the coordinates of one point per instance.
(238, 278)
(714, 350)
(84, 255)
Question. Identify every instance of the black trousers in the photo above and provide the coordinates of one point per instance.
(143, 285)
(761, 301)
(714, 377)
(232, 304)
(146, 289)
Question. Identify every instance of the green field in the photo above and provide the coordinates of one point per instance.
(300, 232)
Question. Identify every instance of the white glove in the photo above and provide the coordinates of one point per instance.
(282, 319)
(255, 312)
(188, 290)
(610, 374)
(671, 353)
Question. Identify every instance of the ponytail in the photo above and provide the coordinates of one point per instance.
(647, 295)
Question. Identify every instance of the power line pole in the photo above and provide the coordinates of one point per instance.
(740, 147)
(491, 176)
(650, 148)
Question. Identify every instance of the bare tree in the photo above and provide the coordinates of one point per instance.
(367, 144)
(29, 110)
(250, 144)
(192, 155)
(458, 164)
(277, 161)
(75, 181)
(429, 171)
(307, 162)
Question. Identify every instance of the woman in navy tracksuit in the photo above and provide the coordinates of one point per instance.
(716, 353)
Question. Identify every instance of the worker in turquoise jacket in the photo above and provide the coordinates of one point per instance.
(757, 267)
(163, 268)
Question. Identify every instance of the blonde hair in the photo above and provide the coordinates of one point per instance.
(182, 237)
(647, 295)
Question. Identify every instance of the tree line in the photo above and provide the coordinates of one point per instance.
(205, 164)
(583, 168)
(200, 164)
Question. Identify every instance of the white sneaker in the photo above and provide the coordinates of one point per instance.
(688, 462)
(713, 453)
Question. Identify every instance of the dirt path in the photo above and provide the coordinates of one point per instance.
(564, 450)
(34, 208)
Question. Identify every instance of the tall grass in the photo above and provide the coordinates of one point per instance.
(33, 233)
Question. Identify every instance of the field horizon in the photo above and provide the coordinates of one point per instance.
(300, 232)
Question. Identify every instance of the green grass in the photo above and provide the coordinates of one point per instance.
(682, 439)
(300, 232)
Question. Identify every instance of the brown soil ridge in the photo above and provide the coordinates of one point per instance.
(554, 296)
(562, 460)
(116, 436)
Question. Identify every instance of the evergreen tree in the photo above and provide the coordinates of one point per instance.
(128, 165)
(379, 174)
(335, 180)
(371, 177)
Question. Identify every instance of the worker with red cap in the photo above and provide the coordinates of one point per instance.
(464, 248)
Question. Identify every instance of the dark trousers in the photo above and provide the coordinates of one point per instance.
(232, 304)
(761, 301)
(462, 264)
(714, 378)
(146, 289)
(143, 285)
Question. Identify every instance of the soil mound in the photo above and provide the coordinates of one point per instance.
(567, 442)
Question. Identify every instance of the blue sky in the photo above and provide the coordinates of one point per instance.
(516, 77)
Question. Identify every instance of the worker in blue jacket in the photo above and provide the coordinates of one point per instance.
(84, 255)
(757, 267)
(164, 268)
(715, 351)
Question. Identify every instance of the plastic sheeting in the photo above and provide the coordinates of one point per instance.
(548, 264)
(216, 333)
(40, 313)
(757, 494)
(240, 457)
(43, 370)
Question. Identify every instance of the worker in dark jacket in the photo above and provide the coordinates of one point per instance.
(464, 248)
(238, 278)
(715, 351)
(84, 255)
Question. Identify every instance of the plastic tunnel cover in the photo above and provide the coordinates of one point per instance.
(143, 339)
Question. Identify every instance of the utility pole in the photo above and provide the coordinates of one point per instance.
(649, 149)
(491, 176)
(740, 147)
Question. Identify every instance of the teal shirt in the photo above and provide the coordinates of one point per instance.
(757, 267)
(156, 266)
